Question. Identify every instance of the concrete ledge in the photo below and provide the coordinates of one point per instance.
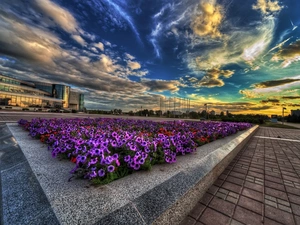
(163, 195)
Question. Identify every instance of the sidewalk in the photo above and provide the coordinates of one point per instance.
(260, 186)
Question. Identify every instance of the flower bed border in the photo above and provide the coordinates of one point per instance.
(132, 212)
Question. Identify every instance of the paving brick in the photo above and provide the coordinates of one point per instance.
(297, 220)
(221, 195)
(232, 187)
(276, 193)
(250, 204)
(232, 199)
(279, 215)
(206, 198)
(296, 209)
(271, 198)
(282, 202)
(284, 208)
(292, 190)
(294, 199)
(197, 211)
(267, 221)
(235, 222)
(239, 170)
(188, 221)
(222, 176)
(224, 191)
(222, 206)
(238, 175)
(277, 186)
(285, 177)
(254, 174)
(291, 174)
(274, 179)
(234, 195)
(252, 194)
(255, 169)
(212, 217)
(213, 189)
(246, 216)
(219, 182)
(235, 180)
(253, 186)
(271, 203)
(271, 173)
(199, 223)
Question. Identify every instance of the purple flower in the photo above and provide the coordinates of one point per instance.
(110, 168)
(133, 148)
(142, 161)
(115, 156)
(114, 143)
(138, 140)
(93, 174)
(127, 158)
(101, 173)
(136, 167)
(81, 159)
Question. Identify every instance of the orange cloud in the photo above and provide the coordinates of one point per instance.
(212, 77)
(208, 20)
(267, 6)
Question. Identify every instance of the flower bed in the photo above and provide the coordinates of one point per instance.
(107, 149)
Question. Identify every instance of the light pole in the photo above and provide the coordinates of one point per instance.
(206, 105)
(283, 108)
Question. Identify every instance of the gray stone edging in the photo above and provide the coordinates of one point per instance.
(22, 200)
(141, 198)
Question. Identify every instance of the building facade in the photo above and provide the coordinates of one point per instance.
(34, 94)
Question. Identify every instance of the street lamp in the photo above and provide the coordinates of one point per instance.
(206, 105)
(283, 108)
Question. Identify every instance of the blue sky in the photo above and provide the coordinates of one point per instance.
(241, 56)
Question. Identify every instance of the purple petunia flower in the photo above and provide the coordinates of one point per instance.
(110, 168)
(136, 167)
(115, 156)
(101, 173)
(93, 174)
(127, 158)
(142, 161)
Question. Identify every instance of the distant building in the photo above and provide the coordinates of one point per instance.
(295, 112)
(274, 118)
(176, 113)
(34, 94)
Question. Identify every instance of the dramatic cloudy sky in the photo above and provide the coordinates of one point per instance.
(241, 56)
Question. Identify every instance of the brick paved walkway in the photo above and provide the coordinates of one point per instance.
(260, 186)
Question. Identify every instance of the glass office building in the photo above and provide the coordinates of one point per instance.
(28, 94)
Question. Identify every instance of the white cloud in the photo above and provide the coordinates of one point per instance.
(127, 55)
(106, 64)
(79, 39)
(161, 85)
(237, 47)
(100, 45)
(133, 65)
(61, 16)
(28, 43)
(288, 54)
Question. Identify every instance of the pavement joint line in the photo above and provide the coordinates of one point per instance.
(272, 138)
